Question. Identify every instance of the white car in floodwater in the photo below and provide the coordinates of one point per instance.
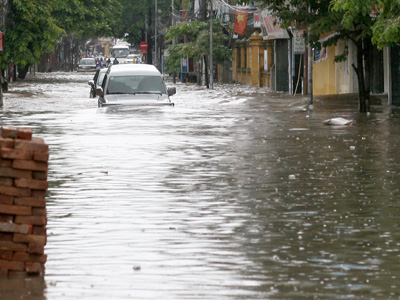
(134, 84)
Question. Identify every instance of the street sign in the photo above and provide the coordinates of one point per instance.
(143, 47)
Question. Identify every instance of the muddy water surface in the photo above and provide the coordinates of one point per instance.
(234, 193)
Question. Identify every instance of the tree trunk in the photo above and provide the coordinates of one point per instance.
(23, 71)
(368, 62)
(206, 71)
(363, 76)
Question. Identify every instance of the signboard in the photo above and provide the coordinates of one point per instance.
(270, 28)
(299, 45)
(320, 54)
(143, 47)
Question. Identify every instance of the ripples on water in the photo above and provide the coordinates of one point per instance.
(234, 193)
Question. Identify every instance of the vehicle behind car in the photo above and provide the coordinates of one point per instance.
(120, 53)
(96, 81)
(134, 84)
(87, 65)
(133, 59)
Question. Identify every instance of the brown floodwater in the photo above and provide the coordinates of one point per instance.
(233, 193)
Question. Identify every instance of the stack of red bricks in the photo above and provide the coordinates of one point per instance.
(23, 186)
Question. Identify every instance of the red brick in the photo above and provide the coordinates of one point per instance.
(6, 218)
(22, 256)
(33, 220)
(41, 156)
(17, 274)
(30, 239)
(38, 175)
(31, 165)
(30, 201)
(12, 265)
(15, 210)
(8, 181)
(6, 236)
(6, 199)
(11, 246)
(24, 133)
(31, 184)
(39, 194)
(3, 272)
(39, 230)
(14, 191)
(5, 163)
(6, 143)
(7, 255)
(19, 228)
(15, 153)
(39, 211)
(10, 172)
(33, 267)
(35, 249)
(10, 132)
(36, 144)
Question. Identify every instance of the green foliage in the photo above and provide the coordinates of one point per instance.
(173, 61)
(194, 41)
(386, 30)
(131, 19)
(355, 15)
(86, 18)
(30, 31)
(34, 27)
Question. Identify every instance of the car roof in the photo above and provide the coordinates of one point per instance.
(133, 69)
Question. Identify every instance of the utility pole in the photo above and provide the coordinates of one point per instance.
(155, 34)
(310, 72)
(174, 40)
(211, 47)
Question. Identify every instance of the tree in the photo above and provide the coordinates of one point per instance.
(30, 31)
(350, 19)
(357, 23)
(82, 20)
(198, 42)
(132, 21)
(386, 30)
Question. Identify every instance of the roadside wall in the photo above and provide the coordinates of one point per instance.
(23, 186)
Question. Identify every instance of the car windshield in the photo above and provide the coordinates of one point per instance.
(88, 62)
(120, 53)
(135, 84)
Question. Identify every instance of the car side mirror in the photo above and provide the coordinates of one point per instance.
(99, 91)
(91, 82)
(171, 91)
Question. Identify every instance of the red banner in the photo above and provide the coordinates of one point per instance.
(240, 22)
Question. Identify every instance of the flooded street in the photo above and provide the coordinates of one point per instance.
(233, 193)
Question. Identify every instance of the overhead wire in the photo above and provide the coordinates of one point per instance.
(234, 8)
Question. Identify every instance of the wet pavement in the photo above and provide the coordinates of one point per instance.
(233, 193)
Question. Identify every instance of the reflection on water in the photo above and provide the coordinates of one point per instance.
(233, 193)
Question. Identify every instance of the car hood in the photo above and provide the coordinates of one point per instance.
(137, 99)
